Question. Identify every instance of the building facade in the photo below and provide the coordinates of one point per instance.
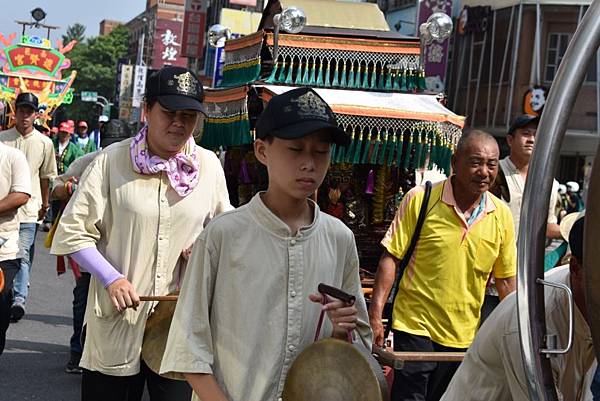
(504, 59)
(106, 26)
(156, 34)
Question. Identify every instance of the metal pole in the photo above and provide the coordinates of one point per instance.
(534, 214)
(141, 51)
(276, 44)
(459, 72)
(489, 93)
(469, 72)
(597, 93)
(498, 95)
(538, 42)
(422, 45)
(476, 98)
(514, 66)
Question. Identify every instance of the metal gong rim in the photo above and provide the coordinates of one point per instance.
(155, 337)
(333, 370)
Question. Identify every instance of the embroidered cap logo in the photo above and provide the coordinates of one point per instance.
(312, 106)
(186, 83)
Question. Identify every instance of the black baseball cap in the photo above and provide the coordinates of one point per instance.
(175, 88)
(576, 239)
(521, 121)
(298, 113)
(27, 99)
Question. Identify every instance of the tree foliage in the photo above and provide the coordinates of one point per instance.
(95, 61)
(74, 32)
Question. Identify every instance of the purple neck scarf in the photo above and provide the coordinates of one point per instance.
(182, 169)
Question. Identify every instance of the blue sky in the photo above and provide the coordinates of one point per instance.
(66, 12)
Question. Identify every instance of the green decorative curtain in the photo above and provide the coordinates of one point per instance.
(242, 65)
(352, 73)
(236, 74)
(227, 124)
(409, 144)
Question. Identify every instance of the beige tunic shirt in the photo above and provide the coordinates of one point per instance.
(140, 225)
(14, 177)
(244, 313)
(516, 186)
(39, 152)
(493, 367)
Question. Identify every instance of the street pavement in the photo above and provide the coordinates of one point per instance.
(32, 366)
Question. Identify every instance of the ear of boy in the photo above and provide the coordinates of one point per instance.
(260, 151)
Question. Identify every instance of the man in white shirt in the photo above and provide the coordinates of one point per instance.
(515, 167)
(493, 366)
(39, 152)
(510, 185)
(15, 190)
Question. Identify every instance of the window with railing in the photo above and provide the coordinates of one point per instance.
(557, 46)
(558, 42)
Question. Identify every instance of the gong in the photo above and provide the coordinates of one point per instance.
(156, 333)
(335, 370)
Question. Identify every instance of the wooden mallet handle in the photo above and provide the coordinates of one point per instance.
(159, 298)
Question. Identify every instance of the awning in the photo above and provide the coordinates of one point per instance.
(393, 129)
(382, 104)
(240, 22)
(340, 14)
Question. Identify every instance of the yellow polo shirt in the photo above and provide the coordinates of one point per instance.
(441, 292)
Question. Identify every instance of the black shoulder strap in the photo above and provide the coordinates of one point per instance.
(413, 242)
(500, 186)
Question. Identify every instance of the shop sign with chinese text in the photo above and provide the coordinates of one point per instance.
(167, 44)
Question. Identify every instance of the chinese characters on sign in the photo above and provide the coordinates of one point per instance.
(169, 41)
(139, 85)
(33, 85)
(436, 54)
(167, 44)
(30, 57)
(194, 25)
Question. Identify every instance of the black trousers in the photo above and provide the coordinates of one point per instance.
(10, 269)
(80, 294)
(421, 381)
(96, 386)
(489, 304)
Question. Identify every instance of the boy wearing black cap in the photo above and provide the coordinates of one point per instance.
(246, 308)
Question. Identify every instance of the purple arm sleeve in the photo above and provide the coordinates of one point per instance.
(95, 264)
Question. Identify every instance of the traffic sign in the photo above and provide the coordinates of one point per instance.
(89, 96)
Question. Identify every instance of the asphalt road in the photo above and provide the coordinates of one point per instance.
(32, 366)
(37, 347)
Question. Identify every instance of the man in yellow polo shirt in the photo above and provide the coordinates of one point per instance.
(468, 233)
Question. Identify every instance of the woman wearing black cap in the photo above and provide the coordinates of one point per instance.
(140, 203)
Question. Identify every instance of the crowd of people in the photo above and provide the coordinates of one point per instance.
(150, 216)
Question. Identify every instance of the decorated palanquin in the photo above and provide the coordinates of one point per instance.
(372, 80)
(32, 65)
